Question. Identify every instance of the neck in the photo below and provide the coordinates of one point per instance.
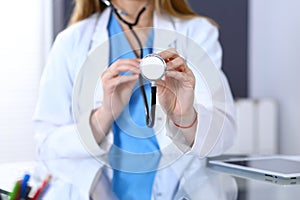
(132, 8)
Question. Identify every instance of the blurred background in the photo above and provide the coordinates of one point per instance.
(261, 46)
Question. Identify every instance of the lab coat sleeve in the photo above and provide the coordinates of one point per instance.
(214, 103)
(59, 145)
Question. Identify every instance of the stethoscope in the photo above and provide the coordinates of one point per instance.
(152, 66)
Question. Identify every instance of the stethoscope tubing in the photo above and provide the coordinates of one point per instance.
(150, 115)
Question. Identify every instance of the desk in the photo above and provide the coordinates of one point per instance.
(230, 187)
(258, 190)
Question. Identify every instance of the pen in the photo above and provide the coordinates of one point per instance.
(44, 191)
(24, 185)
(28, 189)
(42, 188)
(13, 195)
(4, 192)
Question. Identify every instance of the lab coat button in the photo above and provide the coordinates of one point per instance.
(159, 194)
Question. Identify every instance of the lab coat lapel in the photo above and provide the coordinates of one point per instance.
(100, 38)
(164, 32)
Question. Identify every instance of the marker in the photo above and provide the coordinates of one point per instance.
(28, 189)
(24, 185)
(13, 195)
(42, 188)
(42, 194)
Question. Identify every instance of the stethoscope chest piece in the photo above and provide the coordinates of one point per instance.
(153, 67)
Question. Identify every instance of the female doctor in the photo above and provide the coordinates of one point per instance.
(85, 170)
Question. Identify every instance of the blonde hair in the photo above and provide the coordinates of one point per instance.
(178, 8)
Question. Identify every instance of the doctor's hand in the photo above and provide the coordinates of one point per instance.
(117, 90)
(176, 91)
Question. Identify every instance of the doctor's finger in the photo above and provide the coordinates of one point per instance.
(110, 85)
(182, 77)
(124, 68)
(169, 54)
(123, 80)
(120, 62)
(177, 64)
(132, 61)
(110, 73)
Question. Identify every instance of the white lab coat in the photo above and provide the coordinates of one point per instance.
(61, 149)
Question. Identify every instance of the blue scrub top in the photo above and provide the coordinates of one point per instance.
(131, 135)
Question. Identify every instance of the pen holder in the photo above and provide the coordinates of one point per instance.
(21, 190)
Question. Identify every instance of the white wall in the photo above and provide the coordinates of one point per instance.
(22, 55)
(275, 63)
